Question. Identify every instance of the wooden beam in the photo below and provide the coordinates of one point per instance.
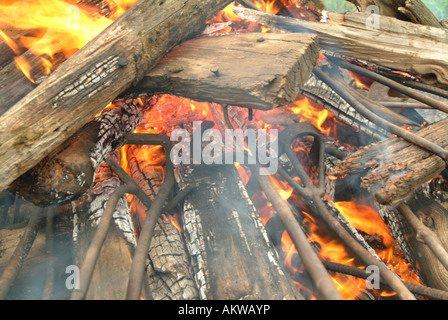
(254, 70)
(394, 168)
(84, 84)
(421, 50)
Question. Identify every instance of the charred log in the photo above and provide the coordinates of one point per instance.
(69, 171)
(84, 84)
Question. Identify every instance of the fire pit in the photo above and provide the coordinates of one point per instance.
(211, 150)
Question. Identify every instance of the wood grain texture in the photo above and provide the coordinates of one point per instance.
(255, 70)
(229, 247)
(94, 76)
(394, 168)
(397, 44)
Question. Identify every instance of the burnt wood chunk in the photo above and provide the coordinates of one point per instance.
(69, 171)
(392, 169)
(229, 247)
(254, 70)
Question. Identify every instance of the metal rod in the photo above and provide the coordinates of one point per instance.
(49, 241)
(93, 252)
(428, 292)
(437, 104)
(312, 263)
(136, 274)
(312, 196)
(12, 270)
(424, 234)
(402, 133)
(386, 274)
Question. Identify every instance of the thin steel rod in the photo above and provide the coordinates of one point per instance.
(49, 241)
(424, 234)
(428, 292)
(417, 85)
(136, 274)
(402, 133)
(12, 270)
(394, 282)
(93, 252)
(405, 105)
(437, 104)
(312, 263)
(312, 196)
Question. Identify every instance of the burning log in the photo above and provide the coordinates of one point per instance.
(84, 84)
(351, 35)
(226, 239)
(392, 169)
(260, 71)
(69, 171)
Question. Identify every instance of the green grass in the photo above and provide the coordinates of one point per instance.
(438, 7)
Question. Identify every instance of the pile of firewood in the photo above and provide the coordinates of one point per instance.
(61, 140)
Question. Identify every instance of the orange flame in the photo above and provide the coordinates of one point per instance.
(62, 26)
(321, 118)
(24, 66)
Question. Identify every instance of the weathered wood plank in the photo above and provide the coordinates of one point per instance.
(84, 84)
(254, 70)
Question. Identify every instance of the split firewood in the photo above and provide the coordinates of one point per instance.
(422, 49)
(216, 227)
(254, 70)
(69, 171)
(394, 168)
(84, 84)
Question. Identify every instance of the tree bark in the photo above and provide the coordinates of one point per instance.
(84, 84)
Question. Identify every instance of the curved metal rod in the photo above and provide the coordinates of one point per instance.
(313, 198)
(311, 261)
(313, 265)
(402, 133)
(437, 104)
(93, 252)
(141, 251)
(12, 270)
